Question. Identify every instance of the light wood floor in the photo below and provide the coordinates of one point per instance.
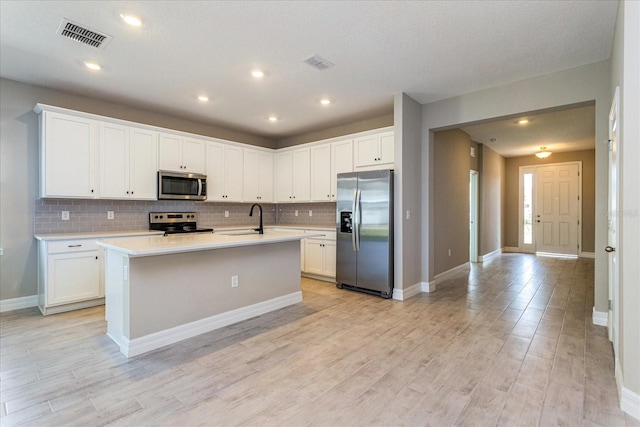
(511, 343)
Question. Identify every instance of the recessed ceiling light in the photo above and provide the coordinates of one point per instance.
(273, 119)
(131, 20)
(258, 74)
(93, 66)
(523, 122)
(325, 101)
(203, 98)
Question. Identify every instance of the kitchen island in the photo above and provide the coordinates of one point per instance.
(163, 289)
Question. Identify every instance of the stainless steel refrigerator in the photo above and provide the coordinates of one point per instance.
(364, 251)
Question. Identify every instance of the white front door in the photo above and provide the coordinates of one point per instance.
(612, 241)
(557, 211)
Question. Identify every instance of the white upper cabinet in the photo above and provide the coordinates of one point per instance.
(143, 169)
(180, 154)
(293, 177)
(321, 173)
(128, 158)
(258, 176)
(341, 162)
(224, 172)
(68, 156)
(374, 151)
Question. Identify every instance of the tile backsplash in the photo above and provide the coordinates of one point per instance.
(91, 215)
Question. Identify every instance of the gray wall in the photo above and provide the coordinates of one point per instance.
(492, 216)
(587, 157)
(625, 60)
(407, 127)
(574, 86)
(451, 198)
(332, 132)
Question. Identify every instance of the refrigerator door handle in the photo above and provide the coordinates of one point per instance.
(353, 220)
(356, 220)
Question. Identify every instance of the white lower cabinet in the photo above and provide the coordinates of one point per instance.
(320, 255)
(70, 275)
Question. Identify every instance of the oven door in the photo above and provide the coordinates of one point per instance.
(181, 186)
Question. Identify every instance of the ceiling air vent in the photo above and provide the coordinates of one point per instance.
(317, 62)
(83, 34)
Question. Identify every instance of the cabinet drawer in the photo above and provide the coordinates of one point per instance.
(71, 246)
(328, 235)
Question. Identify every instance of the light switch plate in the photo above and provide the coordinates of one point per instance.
(310, 212)
(65, 215)
(110, 215)
(295, 212)
(226, 214)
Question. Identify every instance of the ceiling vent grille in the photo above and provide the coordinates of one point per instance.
(83, 34)
(317, 62)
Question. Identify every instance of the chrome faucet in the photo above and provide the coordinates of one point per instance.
(260, 229)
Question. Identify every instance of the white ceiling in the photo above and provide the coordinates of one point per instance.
(430, 50)
(567, 130)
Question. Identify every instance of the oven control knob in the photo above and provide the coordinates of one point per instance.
(155, 217)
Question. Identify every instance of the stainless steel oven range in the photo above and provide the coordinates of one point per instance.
(176, 222)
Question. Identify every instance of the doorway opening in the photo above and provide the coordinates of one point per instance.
(473, 216)
(550, 209)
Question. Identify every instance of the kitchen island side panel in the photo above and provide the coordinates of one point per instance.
(166, 291)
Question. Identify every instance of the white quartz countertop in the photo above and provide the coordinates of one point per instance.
(270, 227)
(96, 235)
(178, 243)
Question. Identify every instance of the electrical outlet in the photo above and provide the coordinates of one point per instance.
(295, 212)
(65, 215)
(226, 214)
(234, 281)
(449, 252)
(408, 214)
(1, 251)
(310, 212)
(109, 214)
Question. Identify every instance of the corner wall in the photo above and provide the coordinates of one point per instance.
(491, 201)
(451, 199)
(407, 189)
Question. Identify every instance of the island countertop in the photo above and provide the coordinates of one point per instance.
(178, 243)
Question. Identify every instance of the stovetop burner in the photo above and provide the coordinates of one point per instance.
(176, 222)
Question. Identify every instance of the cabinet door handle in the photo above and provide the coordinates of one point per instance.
(96, 257)
(74, 246)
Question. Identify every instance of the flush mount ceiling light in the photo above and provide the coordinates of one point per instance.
(203, 98)
(92, 66)
(272, 119)
(543, 153)
(523, 121)
(131, 20)
(258, 74)
(325, 101)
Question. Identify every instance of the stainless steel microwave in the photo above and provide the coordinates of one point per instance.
(181, 186)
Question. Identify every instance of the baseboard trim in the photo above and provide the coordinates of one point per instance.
(406, 293)
(600, 318)
(587, 255)
(629, 400)
(483, 258)
(18, 303)
(137, 346)
(428, 286)
(439, 278)
(511, 249)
